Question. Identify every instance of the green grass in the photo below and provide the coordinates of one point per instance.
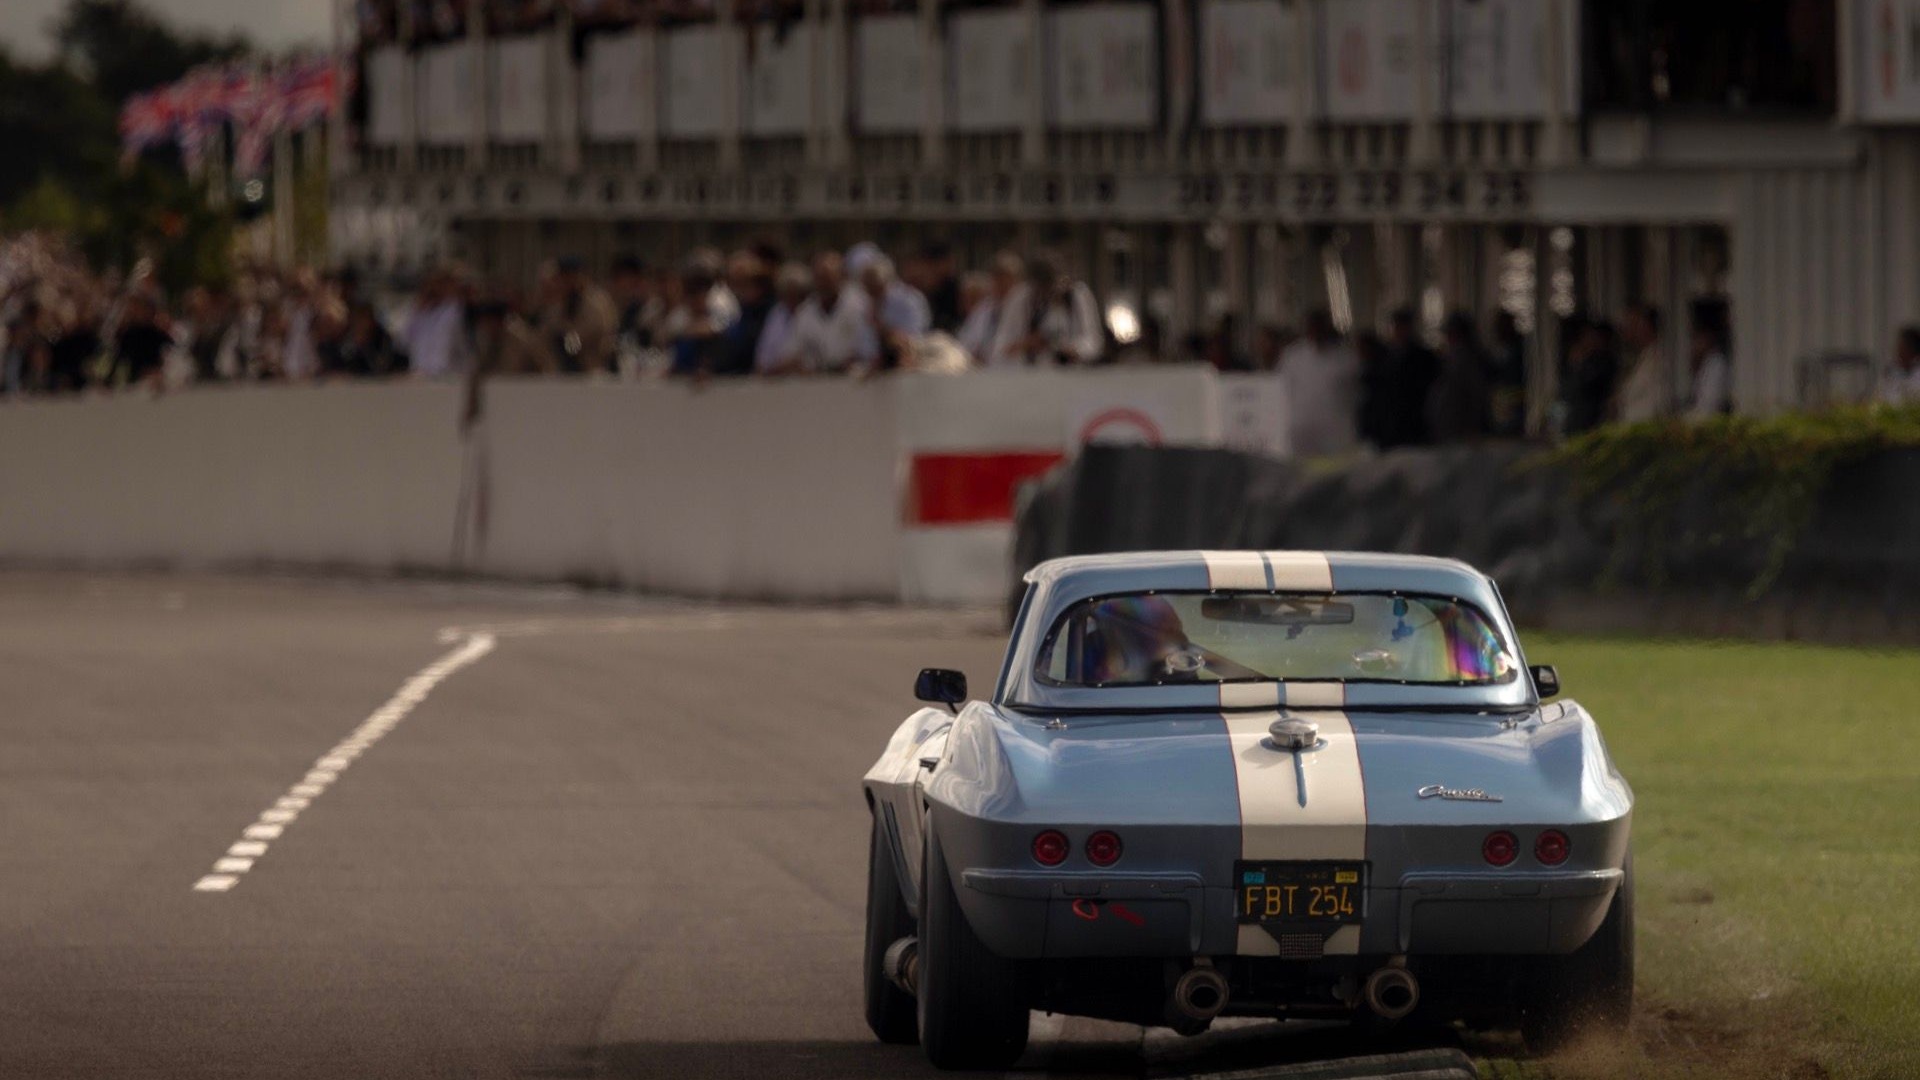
(1777, 840)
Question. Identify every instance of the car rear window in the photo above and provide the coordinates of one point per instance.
(1153, 639)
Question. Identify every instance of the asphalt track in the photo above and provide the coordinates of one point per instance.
(625, 841)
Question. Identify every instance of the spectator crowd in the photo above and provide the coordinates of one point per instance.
(753, 312)
(757, 313)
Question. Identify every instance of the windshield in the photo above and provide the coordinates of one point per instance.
(1151, 639)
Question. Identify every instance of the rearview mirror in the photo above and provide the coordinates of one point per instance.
(941, 686)
(1545, 680)
(1277, 610)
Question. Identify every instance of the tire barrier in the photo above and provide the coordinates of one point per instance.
(1561, 561)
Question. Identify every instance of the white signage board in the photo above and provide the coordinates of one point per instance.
(517, 105)
(1253, 414)
(1497, 59)
(693, 88)
(889, 95)
(1247, 61)
(387, 75)
(1887, 57)
(449, 93)
(1103, 65)
(618, 85)
(988, 54)
(779, 79)
(1370, 67)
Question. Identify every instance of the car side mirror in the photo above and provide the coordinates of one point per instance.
(1545, 680)
(942, 687)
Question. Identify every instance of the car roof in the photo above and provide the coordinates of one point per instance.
(1093, 575)
(1058, 584)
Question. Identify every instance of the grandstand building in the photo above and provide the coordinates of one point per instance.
(1193, 158)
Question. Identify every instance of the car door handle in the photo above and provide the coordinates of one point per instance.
(929, 763)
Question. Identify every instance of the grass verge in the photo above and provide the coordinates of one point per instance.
(1777, 838)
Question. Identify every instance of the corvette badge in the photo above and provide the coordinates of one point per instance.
(1441, 791)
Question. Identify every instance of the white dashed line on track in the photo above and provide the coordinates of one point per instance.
(228, 869)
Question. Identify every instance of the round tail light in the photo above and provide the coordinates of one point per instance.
(1500, 849)
(1553, 847)
(1050, 848)
(1103, 849)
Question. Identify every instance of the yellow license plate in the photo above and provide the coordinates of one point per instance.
(1301, 892)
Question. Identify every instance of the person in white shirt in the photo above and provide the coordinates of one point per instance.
(897, 315)
(1052, 319)
(976, 293)
(790, 287)
(1900, 383)
(300, 358)
(830, 327)
(436, 333)
(982, 322)
(1646, 393)
(1320, 378)
(1712, 392)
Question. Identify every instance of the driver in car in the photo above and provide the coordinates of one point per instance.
(1137, 639)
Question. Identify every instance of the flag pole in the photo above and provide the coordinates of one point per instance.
(283, 189)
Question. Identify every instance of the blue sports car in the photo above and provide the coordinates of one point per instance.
(1281, 784)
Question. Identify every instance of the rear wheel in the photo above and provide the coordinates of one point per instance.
(890, 1011)
(972, 1015)
(1590, 991)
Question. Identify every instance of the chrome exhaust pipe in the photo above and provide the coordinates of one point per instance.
(901, 964)
(1391, 992)
(1199, 995)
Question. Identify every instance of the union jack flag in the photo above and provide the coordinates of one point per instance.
(311, 91)
(258, 104)
(146, 120)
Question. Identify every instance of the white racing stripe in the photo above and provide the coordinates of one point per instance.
(1299, 571)
(240, 857)
(1279, 820)
(1269, 571)
(1259, 695)
(1311, 695)
(1235, 570)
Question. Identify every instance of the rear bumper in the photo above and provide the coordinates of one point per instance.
(1037, 913)
(1550, 912)
(1040, 914)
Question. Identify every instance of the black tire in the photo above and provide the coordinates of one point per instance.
(890, 1011)
(972, 1013)
(1590, 991)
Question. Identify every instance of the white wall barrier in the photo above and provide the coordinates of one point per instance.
(807, 490)
(350, 476)
(751, 490)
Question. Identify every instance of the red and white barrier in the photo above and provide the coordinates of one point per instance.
(968, 443)
(900, 488)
